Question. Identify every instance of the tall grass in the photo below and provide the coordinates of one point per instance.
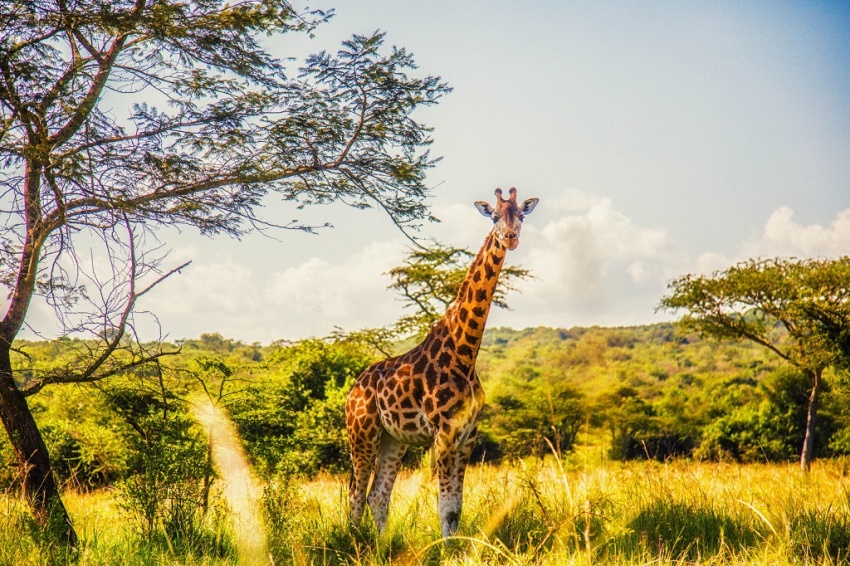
(638, 513)
(536, 512)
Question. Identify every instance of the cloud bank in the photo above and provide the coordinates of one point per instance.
(595, 266)
(592, 265)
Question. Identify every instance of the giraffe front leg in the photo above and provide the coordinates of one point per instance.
(390, 454)
(450, 511)
(464, 452)
(451, 487)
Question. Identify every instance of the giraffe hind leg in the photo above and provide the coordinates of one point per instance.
(390, 454)
(362, 464)
(357, 486)
(364, 436)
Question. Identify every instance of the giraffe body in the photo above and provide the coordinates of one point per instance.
(431, 394)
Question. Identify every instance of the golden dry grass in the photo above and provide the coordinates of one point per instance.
(526, 513)
(541, 513)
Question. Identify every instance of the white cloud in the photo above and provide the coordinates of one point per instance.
(709, 262)
(593, 265)
(217, 295)
(461, 225)
(782, 236)
(639, 272)
(313, 297)
(309, 299)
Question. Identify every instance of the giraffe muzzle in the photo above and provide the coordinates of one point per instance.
(511, 241)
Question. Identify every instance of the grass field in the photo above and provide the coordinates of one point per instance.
(538, 512)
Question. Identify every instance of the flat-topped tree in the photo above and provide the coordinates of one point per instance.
(429, 280)
(798, 309)
(229, 126)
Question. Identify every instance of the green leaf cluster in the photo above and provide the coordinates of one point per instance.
(429, 281)
(291, 417)
(797, 309)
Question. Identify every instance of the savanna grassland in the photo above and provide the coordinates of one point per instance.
(532, 512)
(598, 446)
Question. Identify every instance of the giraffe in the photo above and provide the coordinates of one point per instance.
(431, 395)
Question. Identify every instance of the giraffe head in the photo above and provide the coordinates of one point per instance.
(507, 216)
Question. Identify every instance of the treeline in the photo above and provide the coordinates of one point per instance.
(638, 392)
(653, 392)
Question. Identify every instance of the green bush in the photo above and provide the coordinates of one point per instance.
(292, 418)
(530, 415)
(771, 430)
(170, 497)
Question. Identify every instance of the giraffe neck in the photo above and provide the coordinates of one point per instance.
(466, 318)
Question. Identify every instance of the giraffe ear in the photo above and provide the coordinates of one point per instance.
(484, 208)
(528, 206)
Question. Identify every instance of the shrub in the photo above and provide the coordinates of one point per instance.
(771, 429)
(292, 420)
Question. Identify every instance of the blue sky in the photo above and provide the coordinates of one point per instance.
(662, 138)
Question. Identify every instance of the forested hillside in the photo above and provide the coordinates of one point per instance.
(630, 393)
(654, 392)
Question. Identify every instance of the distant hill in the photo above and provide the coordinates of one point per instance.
(651, 359)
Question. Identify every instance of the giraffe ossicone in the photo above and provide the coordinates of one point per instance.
(431, 395)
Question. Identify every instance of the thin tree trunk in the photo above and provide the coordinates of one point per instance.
(37, 479)
(811, 421)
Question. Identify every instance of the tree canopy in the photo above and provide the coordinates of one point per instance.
(797, 309)
(217, 124)
(430, 278)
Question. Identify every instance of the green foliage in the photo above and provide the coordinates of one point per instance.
(642, 392)
(835, 408)
(531, 415)
(238, 123)
(657, 394)
(771, 429)
(169, 492)
(430, 279)
(281, 506)
(764, 300)
(798, 309)
(828, 306)
(637, 430)
(293, 419)
(86, 440)
(320, 437)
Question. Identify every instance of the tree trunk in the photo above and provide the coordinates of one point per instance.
(811, 421)
(37, 479)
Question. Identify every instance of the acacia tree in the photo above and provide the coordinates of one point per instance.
(798, 309)
(429, 281)
(831, 310)
(217, 124)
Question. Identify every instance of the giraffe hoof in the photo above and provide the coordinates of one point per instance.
(450, 525)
